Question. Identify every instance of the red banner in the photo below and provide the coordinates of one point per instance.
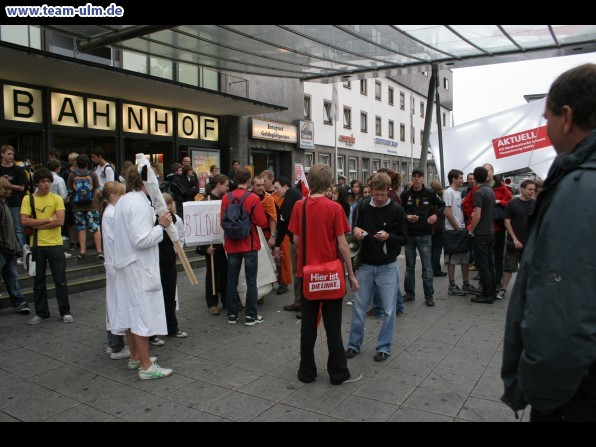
(521, 142)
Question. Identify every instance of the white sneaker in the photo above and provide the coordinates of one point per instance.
(136, 364)
(154, 372)
(67, 255)
(67, 318)
(123, 354)
(349, 303)
(19, 261)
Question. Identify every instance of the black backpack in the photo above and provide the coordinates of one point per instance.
(236, 221)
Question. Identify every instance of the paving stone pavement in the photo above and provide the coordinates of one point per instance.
(445, 366)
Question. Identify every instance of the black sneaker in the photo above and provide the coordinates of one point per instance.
(23, 308)
(251, 321)
(381, 356)
(408, 298)
(455, 290)
(232, 319)
(156, 341)
(282, 289)
(351, 353)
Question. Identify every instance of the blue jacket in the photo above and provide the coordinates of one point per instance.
(550, 331)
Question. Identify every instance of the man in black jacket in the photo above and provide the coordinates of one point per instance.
(423, 207)
(382, 229)
(284, 189)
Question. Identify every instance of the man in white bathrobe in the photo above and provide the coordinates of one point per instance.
(139, 297)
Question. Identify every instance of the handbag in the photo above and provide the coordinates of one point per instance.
(29, 253)
(456, 241)
(325, 281)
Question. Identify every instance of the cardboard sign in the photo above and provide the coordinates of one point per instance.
(201, 223)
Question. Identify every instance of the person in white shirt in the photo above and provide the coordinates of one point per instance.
(454, 220)
(103, 169)
(58, 185)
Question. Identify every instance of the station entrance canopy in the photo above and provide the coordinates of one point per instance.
(334, 53)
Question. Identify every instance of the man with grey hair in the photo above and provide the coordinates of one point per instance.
(549, 350)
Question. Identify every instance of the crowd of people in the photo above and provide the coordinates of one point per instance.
(481, 228)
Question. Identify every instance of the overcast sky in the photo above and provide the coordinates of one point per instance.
(482, 91)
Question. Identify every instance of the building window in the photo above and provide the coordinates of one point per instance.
(395, 166)
(378, 126)
(363, 86)
(425, 73)
(327, 112)
(324, 159)
(309, 158)
(352, 168)
(136, 62)
(365, 169)
(390, 96)
(29, 36)
(402, 132)
(307, 107)
(421, 136)
(376, 165)
(347, 84)
(188, 74)
(386, 164)
(162, 68)
(402, 100)
(444, 119)
(363, 122)
(446, 83)
(340, 164)
(413, 135)
(347, 118)
(413, 105)
(391, 135)
(378, 90)
(404, 169)
(421, 109)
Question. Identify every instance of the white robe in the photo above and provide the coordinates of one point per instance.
(139, 295)
(109, 251)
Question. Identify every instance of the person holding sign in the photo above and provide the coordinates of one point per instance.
(216, 277)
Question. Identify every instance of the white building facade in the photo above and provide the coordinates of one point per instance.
(380, 125)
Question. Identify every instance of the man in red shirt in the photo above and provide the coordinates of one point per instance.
(244, 249)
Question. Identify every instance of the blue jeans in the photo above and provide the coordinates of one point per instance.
(8, 267)
(18, 228)
(115, 342)
(399, 300)
(53, 255)
(251, 265)
(424, 245)
(383, 279)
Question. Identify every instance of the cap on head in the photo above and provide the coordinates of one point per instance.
(418, 169)
(341, 177)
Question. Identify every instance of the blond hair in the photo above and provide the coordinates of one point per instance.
(102, 197)
(169, 202)
(5, 190)
(320, 178)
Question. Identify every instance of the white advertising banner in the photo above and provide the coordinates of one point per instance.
(271, 130)
(509, 140)
(201, 223)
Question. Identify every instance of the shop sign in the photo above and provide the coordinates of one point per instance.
(270, 130)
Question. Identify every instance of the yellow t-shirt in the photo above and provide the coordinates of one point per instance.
(45, 207)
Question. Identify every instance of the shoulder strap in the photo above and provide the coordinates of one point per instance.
(244, 196)
(303, 233)
(34, 216)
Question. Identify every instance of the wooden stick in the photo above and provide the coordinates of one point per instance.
(187, 268)
(212, 262)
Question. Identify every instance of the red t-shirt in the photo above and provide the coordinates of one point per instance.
(252, 205)
(325, 221)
